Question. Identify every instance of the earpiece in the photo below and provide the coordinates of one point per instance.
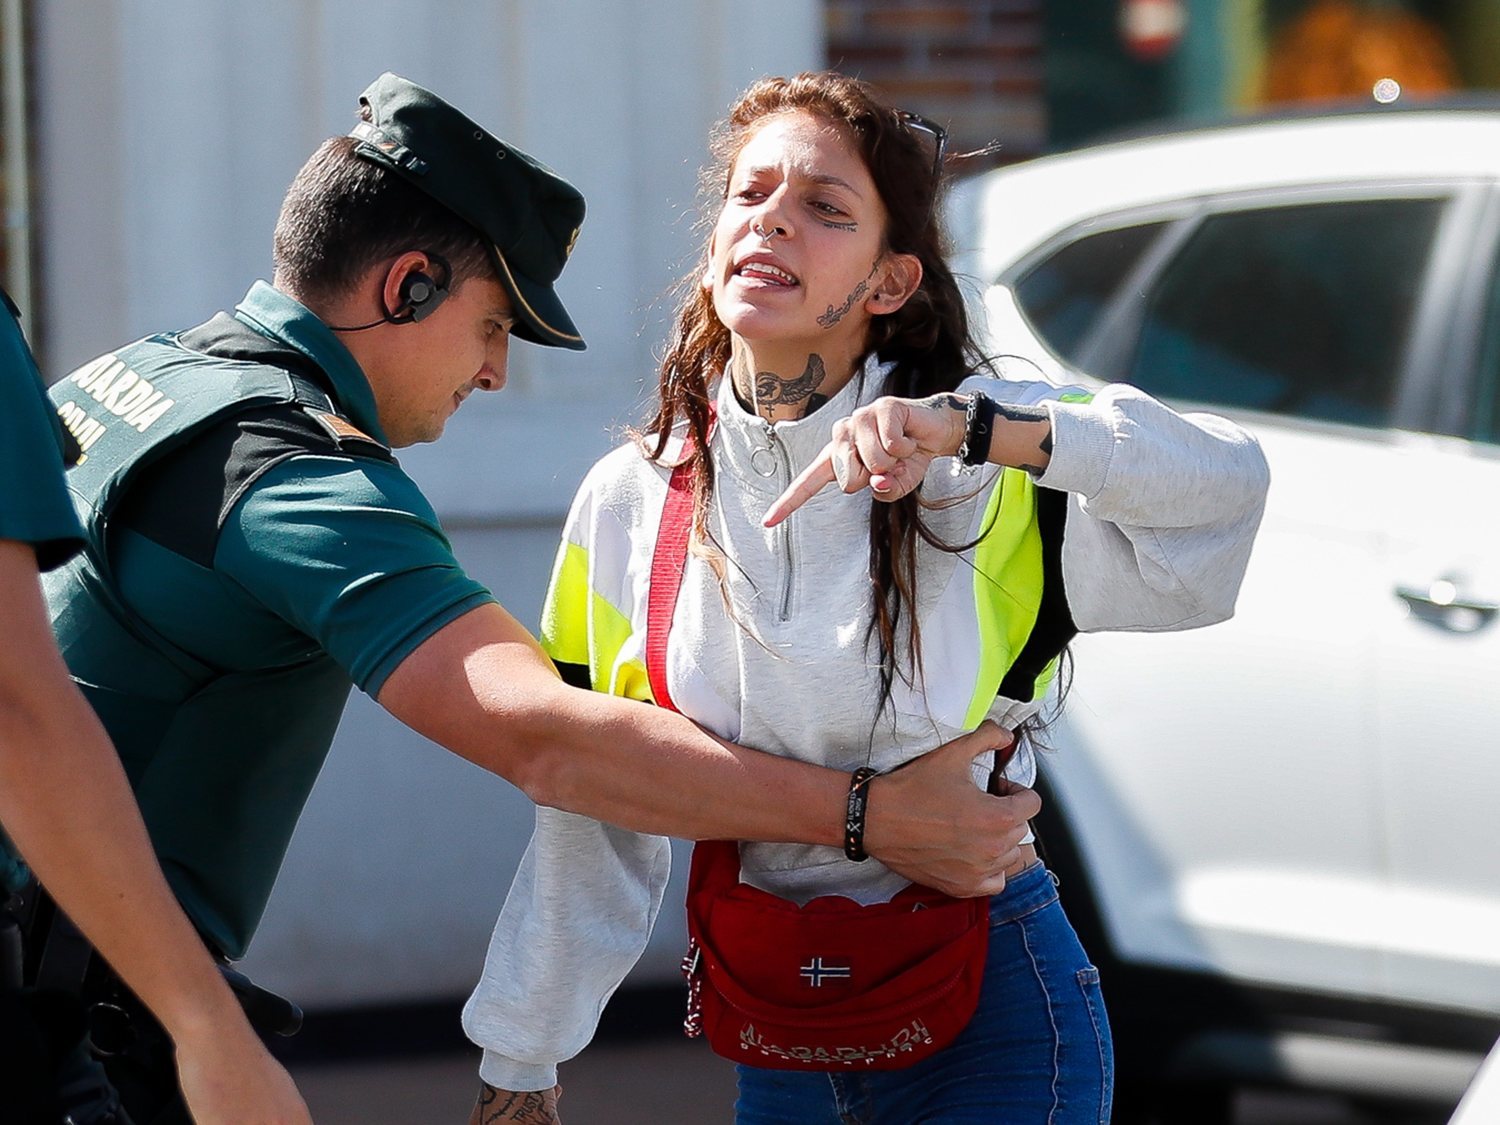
(420, 296)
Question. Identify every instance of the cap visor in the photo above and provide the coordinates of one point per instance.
(540, 316)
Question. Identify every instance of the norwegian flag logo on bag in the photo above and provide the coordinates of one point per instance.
(815, 971)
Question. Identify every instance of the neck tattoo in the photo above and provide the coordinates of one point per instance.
(777, 399)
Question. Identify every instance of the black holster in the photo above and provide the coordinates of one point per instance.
(111, 1055)
(47, 1074)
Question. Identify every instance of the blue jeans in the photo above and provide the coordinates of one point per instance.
(1037, 1051)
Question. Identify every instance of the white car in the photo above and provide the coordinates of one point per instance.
(1279, 836)
(1481, 1102)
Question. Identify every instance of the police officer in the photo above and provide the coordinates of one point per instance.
(254, 546)
(65, 801)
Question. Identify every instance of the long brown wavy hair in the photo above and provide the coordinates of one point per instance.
(927, 339)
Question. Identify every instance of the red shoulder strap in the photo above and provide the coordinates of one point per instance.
(667, 564)
(716, 863)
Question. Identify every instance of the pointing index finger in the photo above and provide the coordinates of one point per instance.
(812, 480)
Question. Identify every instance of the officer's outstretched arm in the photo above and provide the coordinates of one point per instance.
(482, 687)
(66, 804)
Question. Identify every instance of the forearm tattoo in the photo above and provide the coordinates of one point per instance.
(943, 402)
(527, 1106)
(1015, 413)
(1010, 411)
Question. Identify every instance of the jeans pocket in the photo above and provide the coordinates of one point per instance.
(1093, 999)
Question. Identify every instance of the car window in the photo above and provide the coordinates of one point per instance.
(1486, 425)
(1299, 310)
(1064, 293)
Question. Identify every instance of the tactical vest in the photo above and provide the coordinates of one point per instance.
(221, 760)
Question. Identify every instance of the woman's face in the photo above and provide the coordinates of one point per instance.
(813, 285)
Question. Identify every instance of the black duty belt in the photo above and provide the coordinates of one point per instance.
(40, 947)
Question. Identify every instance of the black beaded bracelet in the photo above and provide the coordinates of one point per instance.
(854, 815)
(979, 428)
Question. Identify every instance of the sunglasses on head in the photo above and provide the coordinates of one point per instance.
(928, 129)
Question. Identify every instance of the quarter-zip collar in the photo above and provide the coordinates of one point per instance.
(759, 454)
(275, 315)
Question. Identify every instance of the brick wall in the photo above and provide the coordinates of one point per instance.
(974, 65)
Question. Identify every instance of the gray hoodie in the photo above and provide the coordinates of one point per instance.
(1163, 514)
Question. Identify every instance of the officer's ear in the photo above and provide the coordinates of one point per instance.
(420, 296)
(409, 292)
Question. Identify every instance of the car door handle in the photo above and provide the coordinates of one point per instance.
(1445, 604)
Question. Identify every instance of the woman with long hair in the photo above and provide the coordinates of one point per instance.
(977, 525)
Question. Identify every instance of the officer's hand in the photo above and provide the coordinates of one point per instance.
(536, 1107)
(228, 1079)
(929, 822)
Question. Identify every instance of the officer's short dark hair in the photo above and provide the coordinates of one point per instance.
(342, 215)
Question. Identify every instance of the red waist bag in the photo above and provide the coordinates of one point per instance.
(832, 985)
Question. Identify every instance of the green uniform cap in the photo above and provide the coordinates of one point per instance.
(529, 215)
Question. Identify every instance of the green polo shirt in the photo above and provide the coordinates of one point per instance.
(228, 598)
(34, 505)
(329, 546)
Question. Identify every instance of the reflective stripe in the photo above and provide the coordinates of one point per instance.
(1007, 585)
(564, 633)
(579, 626)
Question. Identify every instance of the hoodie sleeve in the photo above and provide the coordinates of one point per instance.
(586, 895)
(1164, 510)
(575, 922)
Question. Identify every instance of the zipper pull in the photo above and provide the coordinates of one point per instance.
(763, 459)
